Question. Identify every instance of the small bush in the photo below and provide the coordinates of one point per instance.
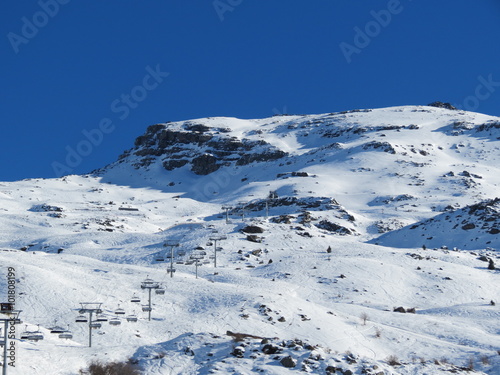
(485, 360)
(470, 364)
(393, 360)
(113, 368)
(378, 333)
(364, 318)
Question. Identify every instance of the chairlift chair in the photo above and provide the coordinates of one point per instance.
(160, 291)
(135, 299)
(132, 318)
(57, 329)
(67, 335)
(101, 318)
(95, 325)
(119, 311)
(179, 262)
(35, 336)
(181, 253)
(81, 319)
(115, 322)
(146, 308)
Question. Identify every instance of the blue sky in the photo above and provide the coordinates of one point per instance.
(80, 80)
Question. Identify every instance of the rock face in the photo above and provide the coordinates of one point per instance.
(205, 149)
(442, 105)
(468, 224)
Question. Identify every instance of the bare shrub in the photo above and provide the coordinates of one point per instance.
(470, 364)
(485, 360)
(364, 318)
(378, 333)
(393, 360)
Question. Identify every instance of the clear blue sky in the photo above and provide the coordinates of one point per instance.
(68, 68)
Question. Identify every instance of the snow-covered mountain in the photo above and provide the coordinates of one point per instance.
(388, 191)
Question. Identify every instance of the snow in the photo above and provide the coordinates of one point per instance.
(88, 250)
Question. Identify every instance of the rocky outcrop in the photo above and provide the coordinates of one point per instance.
(206, 149)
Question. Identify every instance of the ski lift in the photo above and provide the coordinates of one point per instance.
(211, 257)
(81, 319)
(179, 262)
(202, 252)
(146, 308)
(160, 291)
(135, 299)
(95, 325)
(189, 262)
(181, 253)
(57, 329)
(66, 335)
(119, 311)
(132, 318)
(101, 318)
(209, 244)
(115, 321)
(206, 261)
(32, 335)
(218, 249)
(149, 283)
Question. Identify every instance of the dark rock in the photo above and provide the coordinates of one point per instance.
(288, 362)
(400, 309)
(491, 265)
(382, 146)
(252, 229)
(442, 105)
(334, 228)
(254, 238)
(172, 164)
(271, 349)
(204, 164)
(468, 226)
(238, 352)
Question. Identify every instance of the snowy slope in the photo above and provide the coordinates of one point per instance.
(338, 180)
